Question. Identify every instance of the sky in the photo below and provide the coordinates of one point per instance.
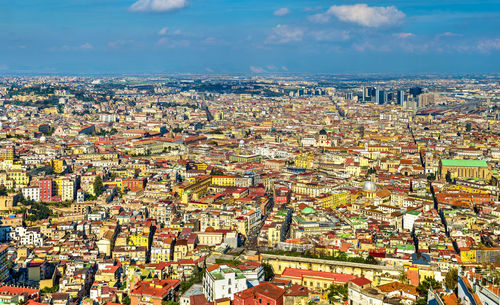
(249, 36)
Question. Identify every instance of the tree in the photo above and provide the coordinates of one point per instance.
(431, 177)
(371, 260)
(448, 177)
(451, 279)
(126, 300)
(425, 285)
(403, 278)
(468, 127)
(169, 303)
(337, 291)
(268, 271)
(98, 187)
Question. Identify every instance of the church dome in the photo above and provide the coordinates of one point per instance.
(369, 186)
(322, 132)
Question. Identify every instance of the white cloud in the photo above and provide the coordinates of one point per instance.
(319, 18)
(163, 31)
(330, 35)
(284, 68)
(362, 14)
(171, 43)
(284, 34)
(255, 69)
(158, 6)
(86, 46)
(282, 11)
(403, 35)
(121, 43)
(489, 45)
(448, 34)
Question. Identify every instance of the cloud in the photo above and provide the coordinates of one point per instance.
(163, 31)
(319, 18)
(362, 14)
(255, 69)
(120, 43)
(448, 34)
(489, 45)
(171, 43)
(285, 34)
(282, 11)
(158, 6)
(86, 46)
(284, 68)
(330, 35)
(403, 35)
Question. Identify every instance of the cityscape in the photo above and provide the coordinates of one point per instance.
(180, 163)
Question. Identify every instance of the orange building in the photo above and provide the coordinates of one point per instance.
(154, 292)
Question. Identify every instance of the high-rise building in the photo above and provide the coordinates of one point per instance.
(415, 91)
(380, 97)
(400, 97)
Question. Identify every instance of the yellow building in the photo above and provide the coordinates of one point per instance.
(194, 190)
(334, 200)
(57, 165)
(464, 169)
(304, 160)
(468, 256)
(223, 180)
(7, 152)
(140, 239)
(20, 178)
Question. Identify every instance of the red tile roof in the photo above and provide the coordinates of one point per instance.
(155, 288)
(299, 274)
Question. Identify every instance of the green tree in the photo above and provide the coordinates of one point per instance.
(425, 285)
(336, 292)
(451, 279)
(126, 300)
(169, 303)
(403, 278)
(468, 127)
(98, 186)
(268, 271)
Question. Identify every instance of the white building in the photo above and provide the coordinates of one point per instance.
(31, 193)
(409, 219)
(27, 236)
(222, 281)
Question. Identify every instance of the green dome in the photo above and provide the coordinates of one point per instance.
(308, 211)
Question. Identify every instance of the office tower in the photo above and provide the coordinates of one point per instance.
(400, 97)
(415, 91)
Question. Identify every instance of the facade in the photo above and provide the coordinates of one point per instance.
(464, 169)
(223, 281)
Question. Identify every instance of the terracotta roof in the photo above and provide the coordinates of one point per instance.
(299, 273)
(156, 288)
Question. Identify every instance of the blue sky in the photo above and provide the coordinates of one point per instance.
(249, 36)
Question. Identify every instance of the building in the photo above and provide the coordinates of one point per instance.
(7, 152)
(154, 292)
(262, 294)
(4, 272)
(316, 280)
(31, 193)
(222, 281)
(464, 169)
(46, 189)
